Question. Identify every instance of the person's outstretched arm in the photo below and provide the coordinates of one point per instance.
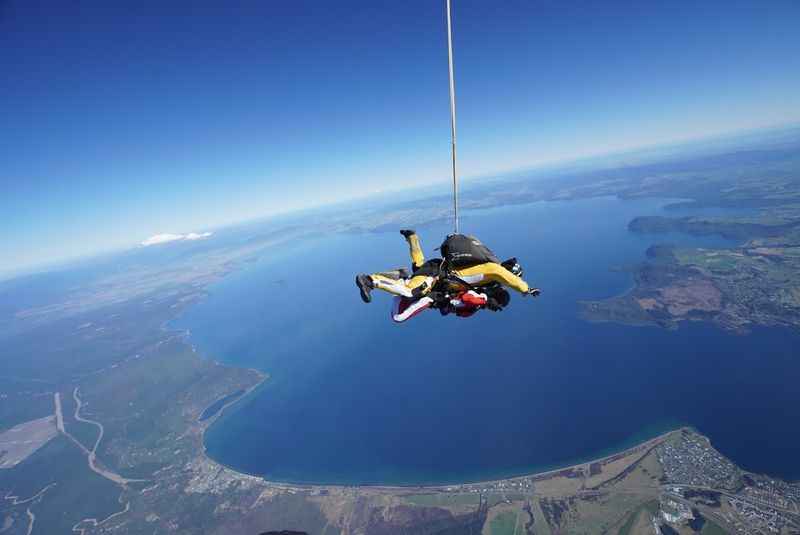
(491, 272)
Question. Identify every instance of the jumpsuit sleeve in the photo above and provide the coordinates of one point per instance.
(492, 272)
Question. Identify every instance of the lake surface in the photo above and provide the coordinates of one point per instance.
(354, 398)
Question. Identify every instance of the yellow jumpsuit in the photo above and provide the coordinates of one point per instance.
(478, 275)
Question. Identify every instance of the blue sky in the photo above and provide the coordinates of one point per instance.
(120, 120)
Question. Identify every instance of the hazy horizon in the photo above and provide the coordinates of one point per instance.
(164, 120)
(137, 242)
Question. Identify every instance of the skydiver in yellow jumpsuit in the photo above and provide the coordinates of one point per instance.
(426, 274)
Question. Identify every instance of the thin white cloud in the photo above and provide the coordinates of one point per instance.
(195, 236)
(166, 238)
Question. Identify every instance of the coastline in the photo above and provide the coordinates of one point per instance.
(634, 442)
(612, 453)
(448, 487)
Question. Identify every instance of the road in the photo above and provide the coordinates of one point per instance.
(715, 515)
(31, 520)
(90, 455)
(749, 499)
(59, 414)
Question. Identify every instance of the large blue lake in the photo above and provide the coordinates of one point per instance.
(354, 398)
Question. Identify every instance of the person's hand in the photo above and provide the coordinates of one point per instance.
(438, 298)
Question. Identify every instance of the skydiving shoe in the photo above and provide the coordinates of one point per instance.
(534, 292)
(407, 233)
(365, 285)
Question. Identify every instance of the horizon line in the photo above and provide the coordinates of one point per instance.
(63, 262)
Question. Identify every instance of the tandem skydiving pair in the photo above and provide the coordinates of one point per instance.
(468, 277)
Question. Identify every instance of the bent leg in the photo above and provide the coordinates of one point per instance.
(391, 285)
(414, 287)
(415, 249)
(491, 272)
